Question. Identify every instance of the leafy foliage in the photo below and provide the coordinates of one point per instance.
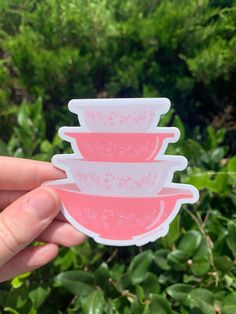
(60, 50)
(52, 51)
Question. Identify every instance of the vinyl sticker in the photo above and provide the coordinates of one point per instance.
(119, 188)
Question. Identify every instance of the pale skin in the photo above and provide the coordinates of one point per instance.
(30, 213)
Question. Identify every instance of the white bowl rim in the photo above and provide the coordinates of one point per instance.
(59, 160)
(162, 102)
(173, 185)
(81, 129)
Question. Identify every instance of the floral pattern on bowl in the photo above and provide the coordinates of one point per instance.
(119, 115)
(112, 178)
(119, 147)
(123, 220)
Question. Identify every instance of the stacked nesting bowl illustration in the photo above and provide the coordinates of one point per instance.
(119, 186)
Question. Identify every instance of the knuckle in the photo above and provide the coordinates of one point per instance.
(9, 241)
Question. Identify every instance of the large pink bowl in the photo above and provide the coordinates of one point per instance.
(123, 220)
(120, 147)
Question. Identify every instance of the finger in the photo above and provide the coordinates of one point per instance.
(23, 174)
(25, 219)
(28, 260)
(62, 233)
(8, 197)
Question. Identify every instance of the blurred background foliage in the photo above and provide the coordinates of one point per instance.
(55, 50)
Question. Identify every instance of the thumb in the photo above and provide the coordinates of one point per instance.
(25, 219)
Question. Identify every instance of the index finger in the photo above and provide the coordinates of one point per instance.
(24, 175)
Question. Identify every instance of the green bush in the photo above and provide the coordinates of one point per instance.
(60, 50)
(191, 270)
(52, 51)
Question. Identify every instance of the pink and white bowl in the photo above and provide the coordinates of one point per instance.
(122, 221)
(119, 114)
(119, 147)
(113, 178)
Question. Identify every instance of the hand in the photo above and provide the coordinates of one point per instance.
(30, 213)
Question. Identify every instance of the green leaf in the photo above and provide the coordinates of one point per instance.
(220, 294)
(125, 281)
(75, 306)
(46, 146)
(109, 307)
(179, 124)
(201, 263)
(23, 117)
(219, 184)
(212, 137)
(198, 178)
(166, 118)
(137, 307)
(150, 284)
(102, 275)
(10, 310)
(231, 167)
(220, 135)
(217, 154)
(94, 303)
(37, 109)
(179, 292)
(167, 278)
(117, 271)
(161, 259)
(173, 233)
(231, 237)
(17, 298)
(77, 282)
(192, 149)
(229, 304)
(201, 299)
(139, 266)
(3, 148)
(223, 263)
(177, 259)
(160, 305)
(190, 279)
(228, 280)
(39, 295)
(139, 293)
(18, 281)
(32, 310)
(190, 242)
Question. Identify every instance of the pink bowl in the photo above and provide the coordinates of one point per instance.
(120, 147)
(123, 220)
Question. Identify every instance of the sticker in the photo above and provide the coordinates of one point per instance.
(119, 188)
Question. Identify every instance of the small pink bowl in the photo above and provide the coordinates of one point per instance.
(120, 147)
(122, 220)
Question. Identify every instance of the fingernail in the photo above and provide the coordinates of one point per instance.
(44, 203)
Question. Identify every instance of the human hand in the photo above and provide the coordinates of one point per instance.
(30, 213)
